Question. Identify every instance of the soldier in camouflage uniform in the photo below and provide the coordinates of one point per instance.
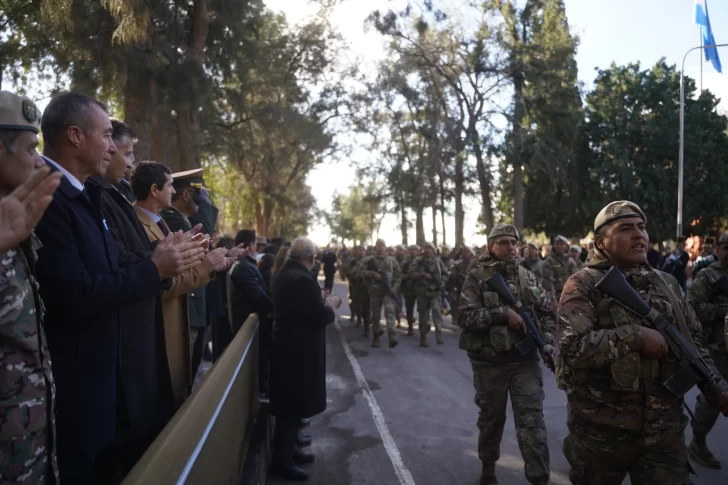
(575, 253)
(706, 258)
(455, 281)
(407, 288)
(557, 268)
(371, 269)
(711, 307)
(533, 261)
(426, 271)
(358, 293)
(400, 254)
(27, 392)
(621, 419)
(489, 330)
(446, 256)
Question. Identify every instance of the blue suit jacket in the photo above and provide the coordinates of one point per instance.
(83, 287)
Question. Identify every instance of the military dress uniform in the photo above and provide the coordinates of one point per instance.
(621, 419)
(711, 308)
(27, 388)
(379, 296)
(498, 368)
(556, 270)
(429, 295)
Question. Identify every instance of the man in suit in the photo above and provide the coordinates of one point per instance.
(298, 359)
(145, 377)
(188, 201)
(84, 285)
(151, 183)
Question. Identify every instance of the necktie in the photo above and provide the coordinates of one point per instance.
(163, 227)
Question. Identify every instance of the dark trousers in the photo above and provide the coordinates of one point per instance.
(264, 349)
(197, 349)
(284, 441)
(329, 281)
(409, 305)
(222, 335)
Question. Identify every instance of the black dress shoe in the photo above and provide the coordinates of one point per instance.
(289, 472)
(303, 458)
(305, 422)
(303, 439)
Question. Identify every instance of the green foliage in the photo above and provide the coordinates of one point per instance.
(356, 217)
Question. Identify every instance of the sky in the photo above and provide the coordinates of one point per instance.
(619, 31)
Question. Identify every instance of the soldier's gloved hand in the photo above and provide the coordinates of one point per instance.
(655, 345)
(515, 322)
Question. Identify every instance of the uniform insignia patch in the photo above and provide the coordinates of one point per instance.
(616, 210)
(29, 111)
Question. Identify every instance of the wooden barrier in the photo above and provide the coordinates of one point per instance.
(207, 440)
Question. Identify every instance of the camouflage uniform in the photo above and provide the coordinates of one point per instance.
(455, 281)
(621, 419)
(499, 369)
(400, 261)
(535, 266)
(711, 307)
(407, 289)
(27, 392)
(556, 270)
(429, 296)
(379, 296)
(358, 294)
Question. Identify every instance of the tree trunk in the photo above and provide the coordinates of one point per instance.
(442, 209)
(484, 183)
(459, 212)
(434, 223)
(404, 222)
(268, 207)
(420, 225)
(188, 135)
(138, 106)
(519, 113)
(259, 218)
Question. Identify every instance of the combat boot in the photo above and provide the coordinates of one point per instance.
(487, 476)
(392, 337)
(438, 337)
(410, 331)
(699, 452)
(423, 340)
(358, 322)
(375, 339)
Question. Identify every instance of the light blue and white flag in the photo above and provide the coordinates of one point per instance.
(703, 21)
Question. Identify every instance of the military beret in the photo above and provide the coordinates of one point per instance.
(502, 230)
(574, 247)
(619, 209)
(18, 113)
(533, 245)
(260, 240)
(562, 239)
(380, 241)
(469, 250)
(723, 239)
(399, 246)
(430, 245)
(414, 247)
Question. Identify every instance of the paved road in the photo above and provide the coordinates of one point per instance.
(426, 401)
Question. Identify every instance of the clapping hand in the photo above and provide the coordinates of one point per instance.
(333, 301)
(21, 211)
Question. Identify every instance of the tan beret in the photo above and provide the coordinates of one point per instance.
(18, 113)
(533, 245)
(562, 239)
(399, 247)
(619, 209)
(574, 247)
(723, 239)
(414, 247)
(468, 250)
(430, 245)
(502, 230)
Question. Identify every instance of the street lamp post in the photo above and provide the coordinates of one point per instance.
(682, 136)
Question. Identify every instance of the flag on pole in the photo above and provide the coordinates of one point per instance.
(703, 21)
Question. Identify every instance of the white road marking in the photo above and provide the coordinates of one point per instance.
(403, 474)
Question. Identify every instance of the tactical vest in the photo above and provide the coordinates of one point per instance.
(497, 343)
(624, 374)
(424, 286)
(560, 268)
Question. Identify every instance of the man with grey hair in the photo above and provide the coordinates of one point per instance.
(298, 355)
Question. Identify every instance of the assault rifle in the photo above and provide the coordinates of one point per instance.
(386, 284)
(721, 284)
(693, 369)
(534, 339)
(446, 297)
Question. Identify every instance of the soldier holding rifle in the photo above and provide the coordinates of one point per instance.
(497, 299)
(631, 346)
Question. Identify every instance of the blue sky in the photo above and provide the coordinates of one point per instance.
(620, 31)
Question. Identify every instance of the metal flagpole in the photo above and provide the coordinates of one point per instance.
(700, 58)
(682, 134)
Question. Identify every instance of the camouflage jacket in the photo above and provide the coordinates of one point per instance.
(579, 264)
(606, 378)
(556, 270)
(455, 281)
(348, 267)
(701, 263)
(406, 285)
(535, 266)
(483, 320)
(710, 305)
(436, 268)
(371, 265)
(27, 392)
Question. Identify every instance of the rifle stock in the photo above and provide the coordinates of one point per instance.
(693, 369)
(534, 339)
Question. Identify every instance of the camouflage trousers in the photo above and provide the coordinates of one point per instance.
(377, 302)
(409, 305)
(706, 415)
(427, 306)
(602, 456)
(524, 381)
